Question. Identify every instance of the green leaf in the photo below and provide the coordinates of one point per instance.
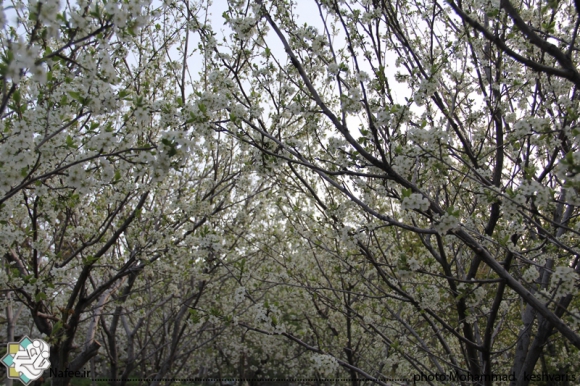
(73, 200)
(452, 212)
(16, 97)
(234, 119)
(69, 142)
(549, 27)
(195, 317)
(75, 95)
(56, 328)
(90, 260)
(123, 94)
(493, 13)
(40, 296)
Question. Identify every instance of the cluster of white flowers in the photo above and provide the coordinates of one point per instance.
(325, 364)
(367, 17)
(107, 171)
(351, 103)
(344, 233)
(564, 279)
(476, 296)
(24, 58)
(530, 274)
(426, 138)
(462, 288)
(430, 297)
(294, 108)
(572, 197)
(238, 111)
(510, 207)
(528, 189)
(211, 241)
(403, 164)
(261, 315)
(268, 318)
(336, 143)
(362, 77)
(494, 4)
(256, 111)
(521, 128)
(48, 11)
(367, 319)
(383, 118)
(215, 77)
(102, 98)
(527, 126)
(106, 64)
(142, 116)
(427, 87)
(308, 34)
(78, 177)
(318, 44)
(413, 264)
(78, 20)
(446, 222)
(105, 140)
(415, 201)
(471, 316)
(568, 169)
(403, 272)
(543, 193)
(574, 319)
(17, 150)
(333, 69)
(128, 11)
(211, 102)
(239, 294)
(485, 173)
(244, 27)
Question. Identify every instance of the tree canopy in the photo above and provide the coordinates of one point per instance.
(356, 189)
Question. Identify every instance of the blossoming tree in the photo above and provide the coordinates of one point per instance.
(379, 189)
(439, 140)
(108, 173)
